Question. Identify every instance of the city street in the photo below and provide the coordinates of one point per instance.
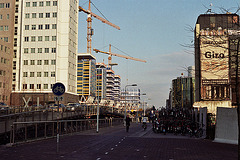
(116, 144)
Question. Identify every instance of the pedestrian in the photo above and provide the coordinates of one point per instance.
(128, 120)
(140, 119)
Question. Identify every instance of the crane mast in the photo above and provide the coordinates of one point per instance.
(89, 25)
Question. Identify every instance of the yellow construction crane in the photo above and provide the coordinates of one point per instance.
(89, 25)
(110, 54)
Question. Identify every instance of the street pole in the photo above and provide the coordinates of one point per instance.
(97, 105)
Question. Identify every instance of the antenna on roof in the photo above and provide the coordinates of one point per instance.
(209, 9)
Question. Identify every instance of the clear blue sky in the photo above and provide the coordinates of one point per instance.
(152, 30)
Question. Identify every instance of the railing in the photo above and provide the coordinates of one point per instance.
(22, 132)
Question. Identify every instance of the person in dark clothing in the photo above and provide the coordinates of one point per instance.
(128, 120)
(140, 119)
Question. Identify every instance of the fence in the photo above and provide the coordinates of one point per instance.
(31, 131)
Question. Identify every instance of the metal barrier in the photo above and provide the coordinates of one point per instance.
(31, 131)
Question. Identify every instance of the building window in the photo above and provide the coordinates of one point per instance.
(31, 74)
(39, 38)
(54, 26)
(26, 39)
(46, 50)
(39, 50)
(27, 15)
(26, 27)
(7, 16)
(38, 86)
(39, 62)
(1, 28)
(54, 38)
(54, 14)
(6, 39)
(25, 50)
(40, 27)
(48, 3)
(32, 50)
(52, 74)
(34, 4)
(54, 3)
(46, 62)
(47, 15)
(39, 74)
(40, 15)
(1, 5)
(14, 65)
(46, 38)
(24, 86)
(14, 76)
(32, 62)
(41, 4)
(33, 38)
(27, 4)
(45, 74)
(25, 62)
(5, 28)
(45, 86)
(33, 27)
(7, 5)
(31, 86)
(53, 62)
(1, 16)
(25, 74)
(47, 26)
(53, 50)
(34, 15)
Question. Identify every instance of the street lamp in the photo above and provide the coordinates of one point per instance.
(126, 99)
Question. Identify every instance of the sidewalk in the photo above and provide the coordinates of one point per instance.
(114, 143)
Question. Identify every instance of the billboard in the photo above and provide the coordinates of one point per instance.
(214, 57)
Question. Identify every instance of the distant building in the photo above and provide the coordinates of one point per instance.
(86, 76)
(110, 83)
(101, 80)
(182, 93)
(7, 10)
(117, 88)
(130, 99)
(214, 59)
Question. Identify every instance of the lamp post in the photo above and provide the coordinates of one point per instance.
(125, 114)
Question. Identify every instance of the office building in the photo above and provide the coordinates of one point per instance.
(86, 76)
(45, 48)
(101, 80)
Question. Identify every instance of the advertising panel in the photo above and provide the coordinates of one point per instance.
(214, 57)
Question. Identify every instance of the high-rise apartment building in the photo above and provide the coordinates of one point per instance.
(117, 88)
(7, 10)
(45, 48)
(101, 80)
(86, 76)
(110, 83)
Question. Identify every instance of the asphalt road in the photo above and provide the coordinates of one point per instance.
(114, 143)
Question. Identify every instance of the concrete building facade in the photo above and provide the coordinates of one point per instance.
(7, 10)
(45, 48)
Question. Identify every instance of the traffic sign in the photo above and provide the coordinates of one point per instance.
(58, 98)
(58, 89)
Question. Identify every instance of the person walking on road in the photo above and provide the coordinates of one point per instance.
(128, 120)
(140, 119)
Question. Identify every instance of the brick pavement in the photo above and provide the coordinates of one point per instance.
(114, 143)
